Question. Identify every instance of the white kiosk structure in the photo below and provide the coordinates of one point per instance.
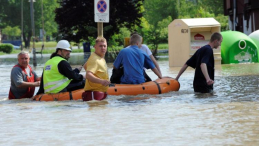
(185, 36)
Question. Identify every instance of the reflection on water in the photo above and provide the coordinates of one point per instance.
(228, 116)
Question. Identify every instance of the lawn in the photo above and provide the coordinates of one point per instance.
(50, 47)
(46, 44)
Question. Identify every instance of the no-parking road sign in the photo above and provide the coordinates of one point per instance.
(101, 10)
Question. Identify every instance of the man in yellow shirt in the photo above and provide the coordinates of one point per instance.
(97, 78)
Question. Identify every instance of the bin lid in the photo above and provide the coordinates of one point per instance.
(255, 35)
(197, 22)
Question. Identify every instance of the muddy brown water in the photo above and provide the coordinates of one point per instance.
(228, 116)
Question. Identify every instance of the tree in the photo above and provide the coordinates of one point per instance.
(50, 25)
(213, 6)
(202, 9)
(76, 18)
(157, 10)
(159, 14)
(12, 31)
(10, 15)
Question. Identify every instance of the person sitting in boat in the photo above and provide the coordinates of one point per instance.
(58, 75)
(97, 78)
(23, 78)
(145, 48)
(133, 60)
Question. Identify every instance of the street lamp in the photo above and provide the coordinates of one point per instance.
(33, 32)
(42, 18)
(22, 23)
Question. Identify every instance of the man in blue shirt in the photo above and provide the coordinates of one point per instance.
(134, 60)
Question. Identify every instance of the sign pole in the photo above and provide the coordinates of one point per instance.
(33, 33)
(100, 29)
(101, 12)
(22, 24)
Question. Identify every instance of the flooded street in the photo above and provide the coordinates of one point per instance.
(229, 116)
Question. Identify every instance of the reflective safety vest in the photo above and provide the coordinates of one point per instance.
(53, 81)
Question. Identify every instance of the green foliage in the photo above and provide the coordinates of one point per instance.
(50, 26)
(163, 27)
(159, 14)
(124, 32)
(114, 40)
(186, 9)
(76, 19)
(158, 34)
(163, 46)
(223, 20)
(118, 39)
(194, 10)
(50, 51)
(203, 14)
(143, 29)
(15, 51)
(6, 48)
(157, 10)
(113, 52)
(12, 31)
(213, 6)
(78, 50)
(10, 15)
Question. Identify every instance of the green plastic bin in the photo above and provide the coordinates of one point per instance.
(237, 47)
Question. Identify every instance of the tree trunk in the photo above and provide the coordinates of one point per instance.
(78, 45)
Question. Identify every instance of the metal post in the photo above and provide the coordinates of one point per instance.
(42, 22)
(22, 23)
(100, 29)
(33, 34)
(234, 15)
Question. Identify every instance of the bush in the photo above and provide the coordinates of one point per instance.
(6, 48)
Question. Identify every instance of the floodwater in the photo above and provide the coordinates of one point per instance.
(229, 116)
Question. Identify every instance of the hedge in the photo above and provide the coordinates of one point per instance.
(6, 48)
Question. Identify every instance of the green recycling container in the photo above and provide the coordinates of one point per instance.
(255, 37)
(237, 47)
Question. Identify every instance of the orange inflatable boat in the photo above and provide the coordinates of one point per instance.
(74, 95)
(159, 86)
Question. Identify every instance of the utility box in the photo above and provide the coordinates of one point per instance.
(186, 36)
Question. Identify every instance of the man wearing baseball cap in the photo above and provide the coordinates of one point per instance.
(58, 75)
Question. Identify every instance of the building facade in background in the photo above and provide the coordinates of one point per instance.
(243, 15)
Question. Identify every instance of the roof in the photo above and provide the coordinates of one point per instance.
(194, 22)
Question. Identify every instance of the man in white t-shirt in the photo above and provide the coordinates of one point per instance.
(149, 53)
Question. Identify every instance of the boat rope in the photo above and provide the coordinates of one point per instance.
(70, 95)
(158, 87)
(41, 97)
